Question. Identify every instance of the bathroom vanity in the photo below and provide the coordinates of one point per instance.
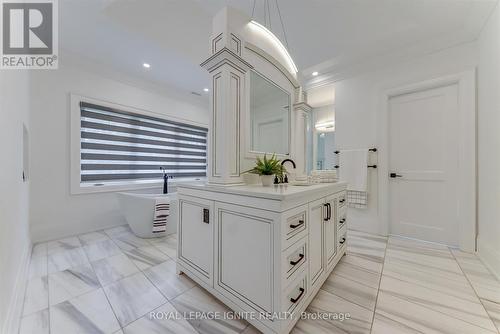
(262, 250)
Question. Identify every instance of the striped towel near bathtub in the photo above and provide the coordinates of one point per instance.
(162, 211)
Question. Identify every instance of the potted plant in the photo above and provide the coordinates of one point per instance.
(267, 168)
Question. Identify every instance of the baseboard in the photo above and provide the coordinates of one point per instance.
(11, 325)
(490, 256)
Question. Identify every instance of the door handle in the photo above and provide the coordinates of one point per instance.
(325, 206)
(328, 207)
(394, 175)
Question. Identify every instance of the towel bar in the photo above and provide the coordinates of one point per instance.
(369, 166)
(371, 150)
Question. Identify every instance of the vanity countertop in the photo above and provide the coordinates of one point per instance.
(279, 192)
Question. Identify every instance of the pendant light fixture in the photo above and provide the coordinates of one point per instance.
(267, 27)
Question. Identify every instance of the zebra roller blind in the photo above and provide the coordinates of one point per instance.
(118, 145)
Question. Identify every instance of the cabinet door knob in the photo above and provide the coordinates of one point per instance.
(342, 241)
(301, 222)
(293, 263)
(294, 300)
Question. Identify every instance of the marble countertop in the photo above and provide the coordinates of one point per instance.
(275, 192)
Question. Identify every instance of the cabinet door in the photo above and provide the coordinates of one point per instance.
(316, 240)
(331, 229)
(245, 254)
(196, 235)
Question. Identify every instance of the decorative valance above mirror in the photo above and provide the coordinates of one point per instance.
(269, 116)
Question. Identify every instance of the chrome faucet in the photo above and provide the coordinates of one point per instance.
(165, 180)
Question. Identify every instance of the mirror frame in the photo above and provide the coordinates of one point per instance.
(249, 152)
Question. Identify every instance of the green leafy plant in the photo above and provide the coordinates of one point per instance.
(267, 166)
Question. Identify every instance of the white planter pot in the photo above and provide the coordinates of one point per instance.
(267, 180)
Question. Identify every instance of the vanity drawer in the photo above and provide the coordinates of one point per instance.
(294, 259)
(342, 241)
(295, 294)
(294, 225)
(342, 220)
(342, 211)
(342, 200)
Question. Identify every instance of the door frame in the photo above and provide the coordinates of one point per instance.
(467, 177)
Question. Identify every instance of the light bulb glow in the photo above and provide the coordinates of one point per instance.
(327, 126)
(276, 41)
(146, 65)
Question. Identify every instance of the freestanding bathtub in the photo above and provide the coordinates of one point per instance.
(139, 208)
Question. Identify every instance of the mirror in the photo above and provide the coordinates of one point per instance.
(324, 144)
(269, 116)
(325, 158)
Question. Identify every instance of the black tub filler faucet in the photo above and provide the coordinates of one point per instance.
(165, 180)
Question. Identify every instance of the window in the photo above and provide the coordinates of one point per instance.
(118, 146)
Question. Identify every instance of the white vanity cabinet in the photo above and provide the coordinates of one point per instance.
(265, 251)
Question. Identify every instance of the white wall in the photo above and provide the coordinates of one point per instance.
(358, 105)
(14, 198)
(489, 143)
(55, 212)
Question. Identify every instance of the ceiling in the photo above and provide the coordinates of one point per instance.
(323, 35)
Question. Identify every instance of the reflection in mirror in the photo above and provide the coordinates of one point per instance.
(324, 144)
(325, 158)
(269, 116)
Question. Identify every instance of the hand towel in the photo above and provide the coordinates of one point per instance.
(353, 169)
(162, 211)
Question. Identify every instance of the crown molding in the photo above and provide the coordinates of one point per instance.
(336, 73)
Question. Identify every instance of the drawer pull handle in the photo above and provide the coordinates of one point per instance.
(342, 221)
(342, 201)
(293, 263)
(327, 213)
(342, 241)
(298, 297)
(301, 222)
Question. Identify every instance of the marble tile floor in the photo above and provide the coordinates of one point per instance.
(109, 281)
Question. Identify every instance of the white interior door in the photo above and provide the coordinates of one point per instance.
(423, 160)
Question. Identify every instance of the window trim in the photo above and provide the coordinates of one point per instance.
(76, 187)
